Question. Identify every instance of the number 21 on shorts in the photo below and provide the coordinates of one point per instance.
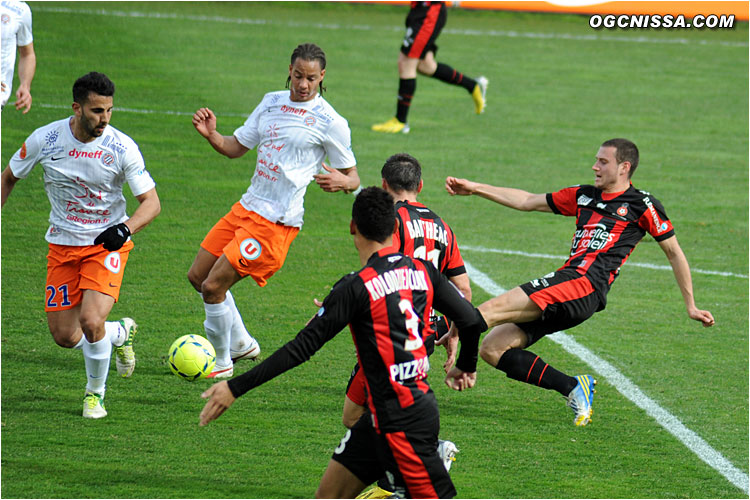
(52, 296)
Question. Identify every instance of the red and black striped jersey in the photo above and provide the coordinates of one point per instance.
(608, 227)
(386, 305)
(424, 235)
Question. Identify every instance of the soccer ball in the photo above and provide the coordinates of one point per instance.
(191, 357)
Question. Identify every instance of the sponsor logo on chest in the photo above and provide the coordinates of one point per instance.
(105, 157)
(594, 237)
(295, 111)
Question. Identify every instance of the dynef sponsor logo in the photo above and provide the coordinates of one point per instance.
(85, 154)
(656, 21)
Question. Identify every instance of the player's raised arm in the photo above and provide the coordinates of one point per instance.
(204, 121)
(681, 269)
(510, 197)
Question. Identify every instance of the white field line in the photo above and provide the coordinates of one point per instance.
(562, 258)
(143, 111)
(593, 37)
(672, 424)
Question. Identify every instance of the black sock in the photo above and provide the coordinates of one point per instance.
(525, 366)
(446, 74)
(406, 89)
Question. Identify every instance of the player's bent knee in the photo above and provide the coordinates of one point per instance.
(490, 354)
(426, 69)
(91, 323)
(195, 280)
(64, 337)
(213, 292)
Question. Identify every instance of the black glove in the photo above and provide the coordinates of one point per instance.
(114, 237)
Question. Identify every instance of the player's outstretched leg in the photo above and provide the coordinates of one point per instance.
(124, 353)
(581, 399)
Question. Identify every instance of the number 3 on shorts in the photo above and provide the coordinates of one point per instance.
(342, 445)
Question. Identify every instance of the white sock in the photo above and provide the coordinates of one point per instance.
(115, 333)
(240, 339)
(96, 356)
(218, 327)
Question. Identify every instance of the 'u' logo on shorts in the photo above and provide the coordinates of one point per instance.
(250, 248)
(112, 262)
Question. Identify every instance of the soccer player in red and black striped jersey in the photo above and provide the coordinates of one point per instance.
(420, 233)
(612, 216)
(424, 23)
(387, 306)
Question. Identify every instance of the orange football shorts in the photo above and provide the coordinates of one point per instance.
(254, 246)
(72, 269)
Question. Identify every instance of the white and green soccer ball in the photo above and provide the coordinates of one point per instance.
(192, 357)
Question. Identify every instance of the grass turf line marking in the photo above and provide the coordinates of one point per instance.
(624, 386)
(145, 111)
(563, 258)
(363, 27)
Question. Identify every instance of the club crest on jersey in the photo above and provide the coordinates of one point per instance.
(310, 121)
(108, 159)
(112, 262)
(623, 210)
(250, 248)
(6, 18)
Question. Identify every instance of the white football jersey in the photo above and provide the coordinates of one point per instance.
(15, 25)
(83, 180)
(293, 139)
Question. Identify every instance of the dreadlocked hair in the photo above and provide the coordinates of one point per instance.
(309, 52)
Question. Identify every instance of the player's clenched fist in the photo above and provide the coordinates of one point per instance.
(114, 237)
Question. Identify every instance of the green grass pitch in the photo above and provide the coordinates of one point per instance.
(557, 90)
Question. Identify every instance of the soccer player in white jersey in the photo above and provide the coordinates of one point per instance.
(16, 34)
(85, 162)
(294, 131)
